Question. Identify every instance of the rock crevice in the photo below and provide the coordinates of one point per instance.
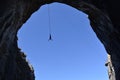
(104, 19)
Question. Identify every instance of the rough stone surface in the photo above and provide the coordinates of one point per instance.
(104, 19)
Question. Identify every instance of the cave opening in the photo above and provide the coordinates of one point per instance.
(74, 54)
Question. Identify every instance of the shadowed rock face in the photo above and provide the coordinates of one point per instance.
(104, 19)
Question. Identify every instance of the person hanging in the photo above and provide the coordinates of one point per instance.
(49, 18)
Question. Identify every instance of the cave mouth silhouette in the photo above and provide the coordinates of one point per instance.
(37, 42)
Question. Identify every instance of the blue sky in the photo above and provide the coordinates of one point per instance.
(75, 53)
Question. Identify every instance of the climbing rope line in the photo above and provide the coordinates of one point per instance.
(49, 23)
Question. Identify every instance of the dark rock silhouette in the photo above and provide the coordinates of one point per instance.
(104, 19)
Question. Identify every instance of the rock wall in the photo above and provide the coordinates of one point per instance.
(104, 19)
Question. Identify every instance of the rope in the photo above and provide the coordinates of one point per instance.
(49, 23)
(49, 19)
